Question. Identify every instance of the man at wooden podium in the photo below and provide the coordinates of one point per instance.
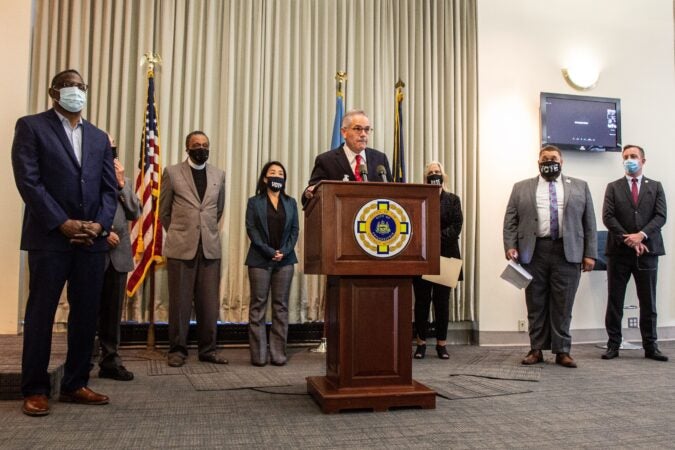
(353, 161)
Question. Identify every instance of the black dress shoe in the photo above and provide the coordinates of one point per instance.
(119, 373)
(420, 351)
(442, 352)
(611, 353)
(656, 355)
(213, 358)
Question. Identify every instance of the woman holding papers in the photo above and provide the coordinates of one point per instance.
(425, 291)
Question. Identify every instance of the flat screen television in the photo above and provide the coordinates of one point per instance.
(582, 123)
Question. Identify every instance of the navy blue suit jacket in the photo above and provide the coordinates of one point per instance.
(53, 185)
(260, 253)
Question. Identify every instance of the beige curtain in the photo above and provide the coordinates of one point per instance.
(258, 77)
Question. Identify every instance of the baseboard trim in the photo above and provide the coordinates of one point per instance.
(585, 336)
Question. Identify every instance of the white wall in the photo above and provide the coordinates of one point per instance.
(15, 54)
(522, 45)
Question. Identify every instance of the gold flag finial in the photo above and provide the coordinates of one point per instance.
(399, 84)
(151, 59)
(340, 77)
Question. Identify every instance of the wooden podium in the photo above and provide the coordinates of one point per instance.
(369, 288)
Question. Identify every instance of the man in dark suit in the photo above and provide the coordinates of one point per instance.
(119, 262)
(633, 212)
(549, 226)
(191, 203)
(63, 168)
(346, 162)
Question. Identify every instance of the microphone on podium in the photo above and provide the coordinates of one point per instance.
(382, 172)
(363, 170)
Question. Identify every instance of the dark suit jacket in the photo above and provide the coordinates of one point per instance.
(334, 165)
(580, 238)
(620, 216)
(260, 253)
(451, 226)
(53, 185)
(128, 208)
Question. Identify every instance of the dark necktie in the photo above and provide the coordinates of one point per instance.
(357, 173)
(634, 190)
(553, 207)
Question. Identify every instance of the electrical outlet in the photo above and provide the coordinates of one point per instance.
(522, 326)
(632, 322)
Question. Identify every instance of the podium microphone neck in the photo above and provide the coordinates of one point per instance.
(363, 171)
(382, 172)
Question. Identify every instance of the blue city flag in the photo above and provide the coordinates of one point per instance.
(336, 140)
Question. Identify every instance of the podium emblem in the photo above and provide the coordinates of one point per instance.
(382, 228)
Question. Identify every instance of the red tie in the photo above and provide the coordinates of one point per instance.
(634, 191)
(357, 173)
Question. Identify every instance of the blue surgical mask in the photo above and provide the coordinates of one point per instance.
(631, 166)
(72, 99)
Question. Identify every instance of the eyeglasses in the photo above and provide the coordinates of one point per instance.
(81, 86)
(360, 130)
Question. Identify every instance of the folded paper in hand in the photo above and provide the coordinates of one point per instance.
(450, 268)
(516, 275)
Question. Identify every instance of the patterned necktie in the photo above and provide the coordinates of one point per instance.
(553, 207)
(634, 190)
(357, 173)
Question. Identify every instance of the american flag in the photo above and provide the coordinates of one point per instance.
(146, 231)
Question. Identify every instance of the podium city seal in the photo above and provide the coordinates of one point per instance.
(382, 228)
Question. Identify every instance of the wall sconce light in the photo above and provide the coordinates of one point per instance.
(581, 78)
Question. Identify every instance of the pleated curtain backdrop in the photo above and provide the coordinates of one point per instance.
(258, 77)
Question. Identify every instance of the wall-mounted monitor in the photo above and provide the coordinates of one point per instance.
(577, 122)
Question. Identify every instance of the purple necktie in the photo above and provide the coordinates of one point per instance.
(634, 190)
(554, 210)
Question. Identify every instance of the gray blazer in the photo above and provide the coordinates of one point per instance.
(128, 208)
(185, 218)
(579, 231)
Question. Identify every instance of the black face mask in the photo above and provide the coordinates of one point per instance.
(549, 170)
(435, 179)
(198, 155)
(275, 184)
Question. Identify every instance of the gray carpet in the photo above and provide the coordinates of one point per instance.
(624, 403)
(463, 387)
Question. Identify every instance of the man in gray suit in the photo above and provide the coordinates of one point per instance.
(634, 212)
(549, 227)
(191, 203)
(119, 262)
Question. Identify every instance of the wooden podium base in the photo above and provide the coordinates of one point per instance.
(380, 398)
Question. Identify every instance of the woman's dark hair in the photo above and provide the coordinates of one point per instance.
(262, 187)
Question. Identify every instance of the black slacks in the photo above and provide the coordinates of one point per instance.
(49, 272)
(426, 293)
(109, 317)
(644, 271)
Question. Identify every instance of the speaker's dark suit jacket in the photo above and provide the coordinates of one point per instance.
(334, 165)
(621, 216)
(55, 187)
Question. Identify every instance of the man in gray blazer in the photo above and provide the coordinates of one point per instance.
(119, 262)
(549, 227)
(634, 211)
(191, 203)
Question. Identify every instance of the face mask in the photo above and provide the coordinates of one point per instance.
(631, 166)
(550, 170)
(198, 155)
(72, 99)
(275, 184)
(435, 179)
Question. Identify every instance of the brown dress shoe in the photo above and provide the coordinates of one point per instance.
(36, 405)
(84, 396)
(565, 360)
(534, 357)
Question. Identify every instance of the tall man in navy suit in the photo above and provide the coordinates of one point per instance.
(549, 226)
(343, 163)
(633, 212)
(63, 168)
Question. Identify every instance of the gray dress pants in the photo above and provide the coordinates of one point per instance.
(197, 281)
(278, 280)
